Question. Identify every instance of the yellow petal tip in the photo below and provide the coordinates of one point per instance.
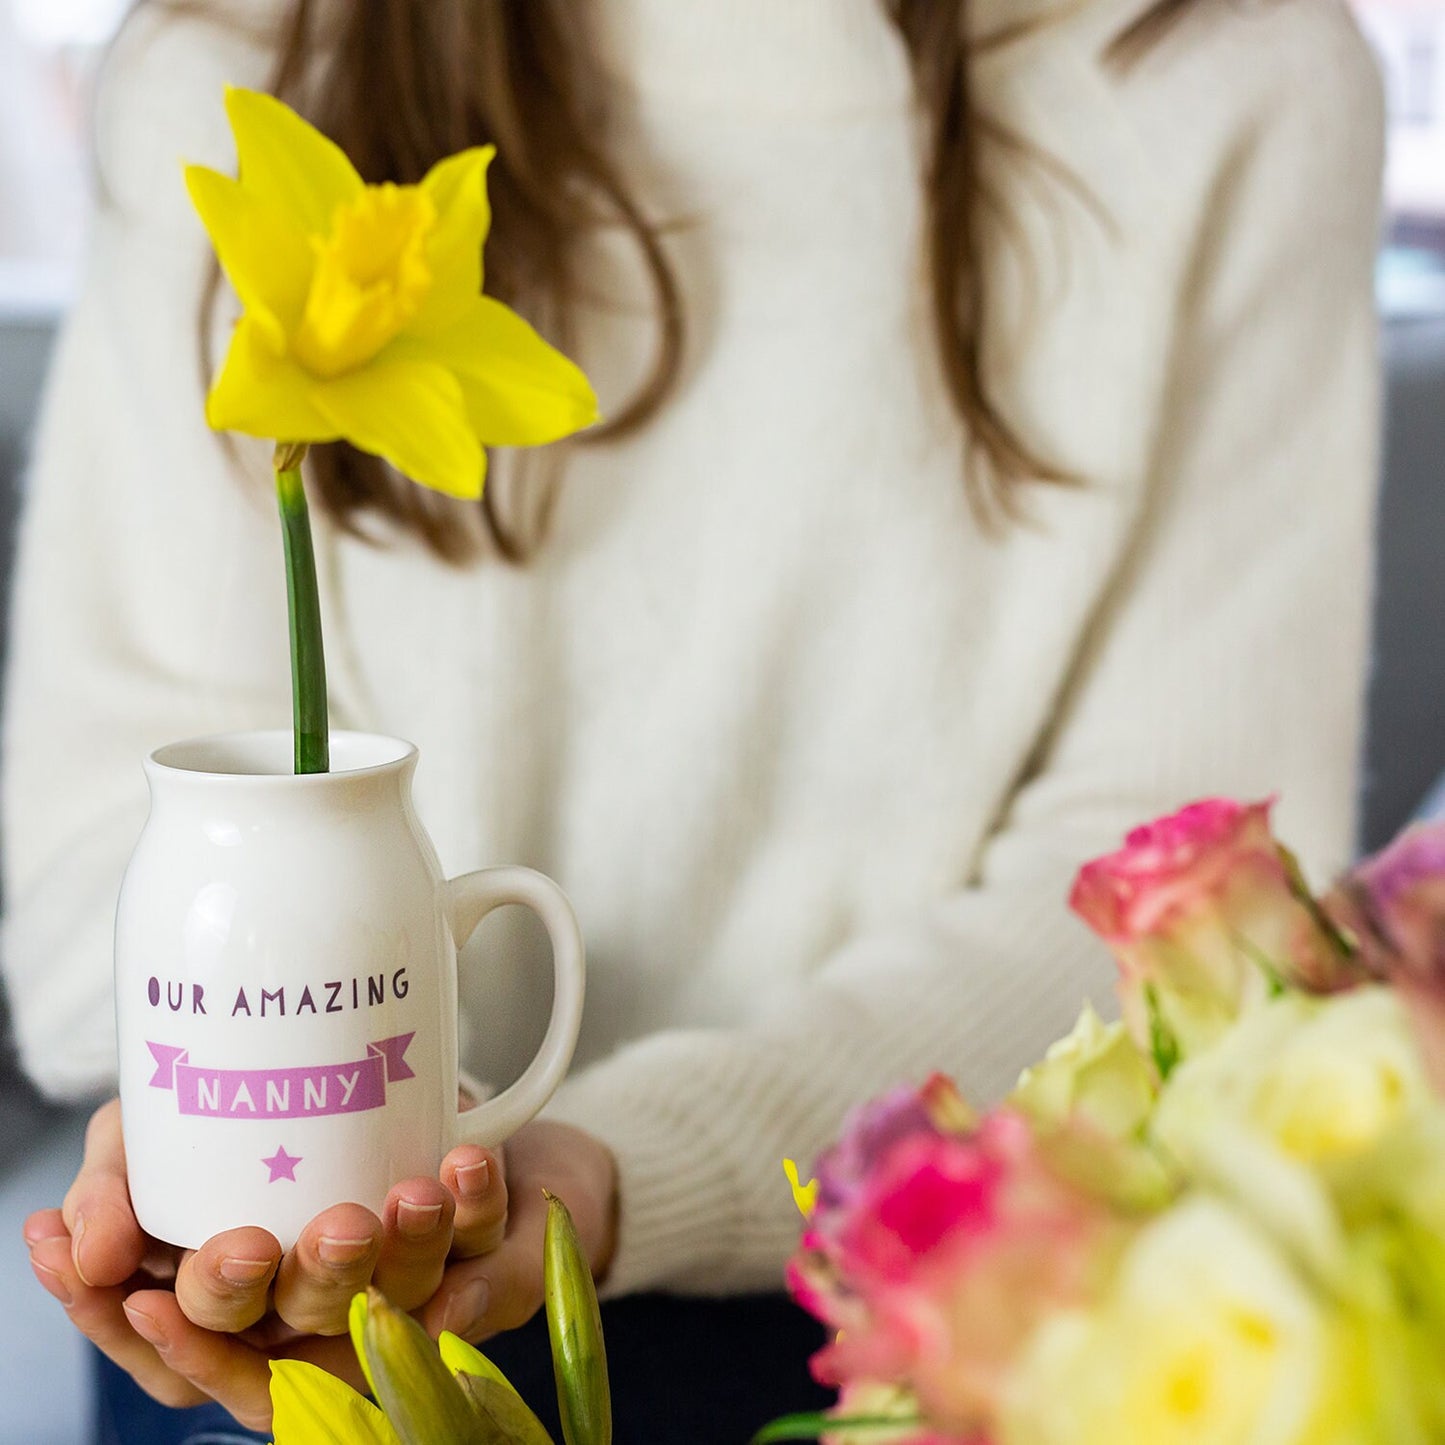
(805, 1196)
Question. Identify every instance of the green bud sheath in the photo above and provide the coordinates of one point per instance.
(506, 1420)
(579, 1360)
(422, 1401)
(482, 1383)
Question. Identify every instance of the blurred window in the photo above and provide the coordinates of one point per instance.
(49, 49)
(48, 52)
(1409, 38)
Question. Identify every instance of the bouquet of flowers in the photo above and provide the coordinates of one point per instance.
(1220, 1220)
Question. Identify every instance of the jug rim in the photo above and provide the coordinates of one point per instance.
(263, 757)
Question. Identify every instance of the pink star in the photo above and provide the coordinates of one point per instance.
(282, 1165)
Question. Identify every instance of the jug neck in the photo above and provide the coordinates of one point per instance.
(251, 773)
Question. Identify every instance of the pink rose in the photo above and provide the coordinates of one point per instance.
(1206, 915)
(1392, 906)
(870, 1131)
(943, 1261)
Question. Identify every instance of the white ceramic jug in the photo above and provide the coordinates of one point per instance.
(286, 988)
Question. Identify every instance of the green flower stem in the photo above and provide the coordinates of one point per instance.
(308, 660)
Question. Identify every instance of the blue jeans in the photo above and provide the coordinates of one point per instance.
(683, 1371)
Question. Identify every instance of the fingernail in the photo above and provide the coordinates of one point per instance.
(52, 1282)
(472, 1178)
(76, 1235)
(145, 1326)
(465, 1306)
(342, 1251)
(244, 1271)
(416, 1221)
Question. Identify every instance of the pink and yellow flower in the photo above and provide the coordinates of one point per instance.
(1206, 914)
(872, 1130)
(941, 1254)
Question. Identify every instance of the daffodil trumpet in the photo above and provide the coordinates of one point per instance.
(363, 320)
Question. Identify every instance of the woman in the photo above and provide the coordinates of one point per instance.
(893, 592)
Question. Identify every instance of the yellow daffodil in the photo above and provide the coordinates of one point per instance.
(363, 316)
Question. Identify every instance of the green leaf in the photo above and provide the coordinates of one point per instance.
(810, 1426)
(574, 1322)
(1162, 1043)
(793, 1427)
(1299, 886)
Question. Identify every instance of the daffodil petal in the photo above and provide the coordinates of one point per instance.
(356, 1327)
(457, 187)
(264, 255)
(312, 1407)
(519, 391)
(288, 163)
(411, 412)
(264, 394)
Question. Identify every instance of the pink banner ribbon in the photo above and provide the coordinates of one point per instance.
(282, 1093)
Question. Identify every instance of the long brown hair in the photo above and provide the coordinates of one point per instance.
(409, 81)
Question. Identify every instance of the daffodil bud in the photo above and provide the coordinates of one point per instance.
(406, 1373)
(574, 1322)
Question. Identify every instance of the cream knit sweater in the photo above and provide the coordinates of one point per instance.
(814, 757)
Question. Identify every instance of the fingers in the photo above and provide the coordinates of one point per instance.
(417, 1224)
(503, 1289)
(99, 1314)
(107, 1242)
(224, 1285)
(334, 1258)
(45, 1224)
(146, 1334)
(477, 1178)
(500, 1290)
(212, 1366)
